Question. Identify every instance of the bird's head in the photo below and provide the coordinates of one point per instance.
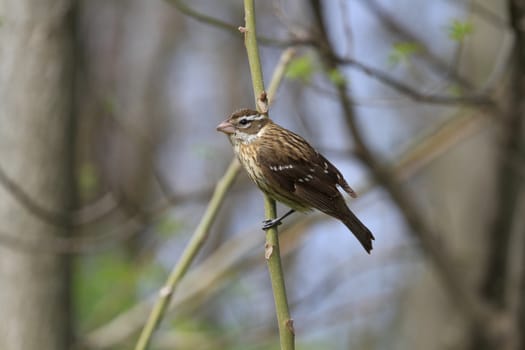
(244, 126)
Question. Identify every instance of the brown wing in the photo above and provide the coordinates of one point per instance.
(301, 175)
(308, 180)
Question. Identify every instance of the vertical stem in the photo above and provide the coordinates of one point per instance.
(252, 49)
(273, 257)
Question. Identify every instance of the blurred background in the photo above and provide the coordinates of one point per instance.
(109, 156)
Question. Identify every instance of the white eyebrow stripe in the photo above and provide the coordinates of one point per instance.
(255, 116)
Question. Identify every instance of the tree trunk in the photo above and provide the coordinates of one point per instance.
(36, 154)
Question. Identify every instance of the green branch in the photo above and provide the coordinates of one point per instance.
(272, 252)
(191, 250)
(201, 232)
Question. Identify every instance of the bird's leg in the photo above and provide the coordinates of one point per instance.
(269, 223)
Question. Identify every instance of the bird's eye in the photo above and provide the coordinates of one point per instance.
(243, 121)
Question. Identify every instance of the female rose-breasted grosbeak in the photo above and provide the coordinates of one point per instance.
(289, 170)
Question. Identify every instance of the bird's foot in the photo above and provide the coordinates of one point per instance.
(269, 223)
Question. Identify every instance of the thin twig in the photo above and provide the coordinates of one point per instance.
(72, 219)
(272, 251)
(279, 73)
(218, 23)
(56, 218)
(435, 63)
(213, 21)
(472, 100)
(191, 250)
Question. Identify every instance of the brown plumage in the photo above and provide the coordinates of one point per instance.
(291, 171)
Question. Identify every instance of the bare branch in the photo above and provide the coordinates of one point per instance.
(510, 182)
(474, 100)
(220, 24)
(482, 314)
(60, 219)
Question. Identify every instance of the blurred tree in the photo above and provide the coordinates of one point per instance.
(36, 152)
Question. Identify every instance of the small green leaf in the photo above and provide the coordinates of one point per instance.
(301, 68)
(458, 30)
(336, 77)
(402, 52)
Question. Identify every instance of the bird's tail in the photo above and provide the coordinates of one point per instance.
(360, 231)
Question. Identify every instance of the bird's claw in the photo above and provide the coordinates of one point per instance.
(269, 223)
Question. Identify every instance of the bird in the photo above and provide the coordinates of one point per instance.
(285, 167)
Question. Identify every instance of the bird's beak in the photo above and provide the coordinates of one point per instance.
(226, 127)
